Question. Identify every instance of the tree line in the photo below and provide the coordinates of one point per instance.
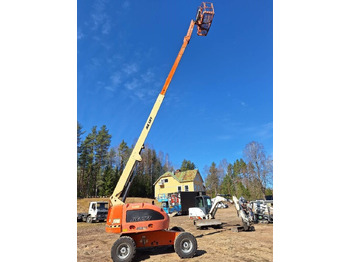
(251, 178)
(99, 167)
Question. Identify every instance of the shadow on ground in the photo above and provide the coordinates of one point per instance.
(146, 253)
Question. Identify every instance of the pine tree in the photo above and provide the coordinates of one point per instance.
(103, 141)
(212, 180)
(90, 144)
(187, 165)
(108, 181)
(227, 186)
(86, 164)
(80, 132)
(123, 154)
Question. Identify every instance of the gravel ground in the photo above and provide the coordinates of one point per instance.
(94, 244)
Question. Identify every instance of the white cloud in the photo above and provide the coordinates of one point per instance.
(100, 19)
(106, 27)
(131, 85)
(148, 76)
(110, 88)
(97, 19)
(116, 78)
(131, 69)
(126, 4)
(265, 131)
(80, 34)
(224, 137)
(140, 94)
(260, 132)
(137, 86)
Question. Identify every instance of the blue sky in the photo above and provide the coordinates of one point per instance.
(221, 95)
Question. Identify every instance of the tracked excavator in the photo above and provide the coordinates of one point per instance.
(244, 214)
(144, 224)
(203, 214)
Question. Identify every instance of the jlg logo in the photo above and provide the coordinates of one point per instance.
(149, 122)
(143, 218)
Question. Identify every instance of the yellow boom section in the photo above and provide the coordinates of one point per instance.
(136, 153)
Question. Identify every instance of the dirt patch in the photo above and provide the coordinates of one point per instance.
(94, 244)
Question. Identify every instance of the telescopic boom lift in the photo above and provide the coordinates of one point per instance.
(143, 224)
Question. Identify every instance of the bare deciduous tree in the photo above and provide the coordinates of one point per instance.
(222, 170)
(259, 166)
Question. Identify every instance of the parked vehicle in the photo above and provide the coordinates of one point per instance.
(262, 210)
(203, 212)
(97, 212)
(245, 213)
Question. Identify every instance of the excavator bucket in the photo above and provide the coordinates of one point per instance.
(204, 17)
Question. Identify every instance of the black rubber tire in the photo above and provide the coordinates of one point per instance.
(123, 250)
(178, 229)
(88, 219)
(185, 245)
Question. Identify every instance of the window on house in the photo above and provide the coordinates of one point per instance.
(166, 180)
(186, 188)
(179, 189)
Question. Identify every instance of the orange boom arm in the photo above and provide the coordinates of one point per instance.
(178, 58)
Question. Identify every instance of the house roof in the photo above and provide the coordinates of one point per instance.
(184, 176)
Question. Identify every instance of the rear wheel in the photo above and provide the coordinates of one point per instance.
(123, 250)
(89, 219)
(185, 245)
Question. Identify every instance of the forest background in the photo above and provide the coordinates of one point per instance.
(100, 166)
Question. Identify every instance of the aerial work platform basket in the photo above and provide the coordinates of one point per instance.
(204, 17)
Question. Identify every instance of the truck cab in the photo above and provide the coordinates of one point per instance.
(98, 211)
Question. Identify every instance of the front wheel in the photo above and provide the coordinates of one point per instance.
(185, 245)
(123, 250)
(89, 219)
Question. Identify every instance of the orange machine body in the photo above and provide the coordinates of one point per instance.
(155, 238)
(136, 218)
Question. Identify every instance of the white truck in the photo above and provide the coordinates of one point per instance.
(98, 211)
